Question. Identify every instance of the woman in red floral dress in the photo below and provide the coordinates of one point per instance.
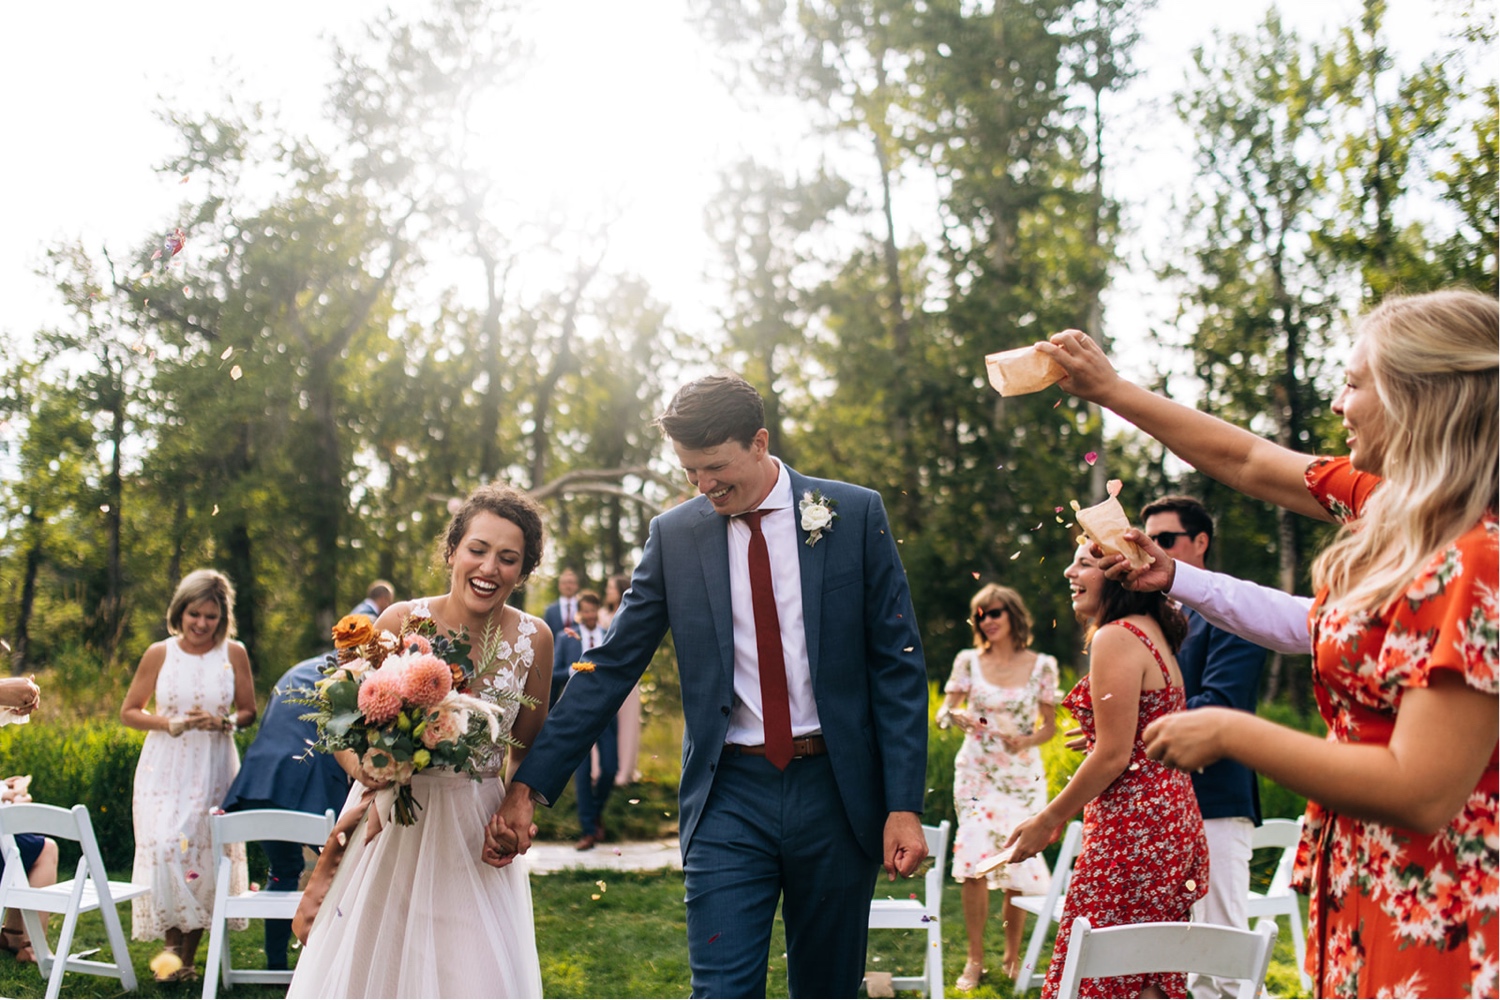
(1399, 848)
(1144, 857)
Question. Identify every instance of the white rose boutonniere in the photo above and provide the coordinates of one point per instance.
(817, 515)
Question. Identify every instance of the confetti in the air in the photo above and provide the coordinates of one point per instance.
(235, 373)
(1091, 457)
(1015, 556)
(216, 511)
(227, 352)
(974, 573)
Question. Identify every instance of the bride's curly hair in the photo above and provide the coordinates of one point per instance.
(507, 503)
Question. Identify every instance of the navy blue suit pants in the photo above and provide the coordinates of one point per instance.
(769, 835)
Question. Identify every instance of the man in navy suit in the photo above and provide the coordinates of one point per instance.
(280, 771)
(804, 699)
(561, 613)
(1218, 668)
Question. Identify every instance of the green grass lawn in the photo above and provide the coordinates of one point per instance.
(604, 934)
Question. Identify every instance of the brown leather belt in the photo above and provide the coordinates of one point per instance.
(808, 746)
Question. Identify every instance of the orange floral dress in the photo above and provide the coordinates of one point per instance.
(1395, 912)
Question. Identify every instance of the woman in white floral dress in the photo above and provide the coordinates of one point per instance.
(200, 683)
(412, 910)
(1003, 696)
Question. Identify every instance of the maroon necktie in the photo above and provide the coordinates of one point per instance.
(775, 707)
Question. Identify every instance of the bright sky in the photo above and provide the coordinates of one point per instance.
(621, 107)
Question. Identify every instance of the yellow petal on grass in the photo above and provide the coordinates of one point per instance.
(165, 964)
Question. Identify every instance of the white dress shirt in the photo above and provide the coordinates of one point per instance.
(567, 607)
(779, 525)
(1266, 616)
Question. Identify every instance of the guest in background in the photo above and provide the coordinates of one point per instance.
(1144, 858)
(628, 720)
(19, 697)
(199, 680)
(377, 599)
(1218, 668)
(561, 613)
(595, 777)
(1004, 697)
(281, 772)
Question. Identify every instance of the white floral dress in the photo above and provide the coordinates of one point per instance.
(994, 789)
(177, 781)
(415, 912)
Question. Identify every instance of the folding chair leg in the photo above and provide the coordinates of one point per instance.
(1299, 945)
(1033, 952)
(216, 933)
(119, 948)
(935, 962)
(35, 923)
(65, 939)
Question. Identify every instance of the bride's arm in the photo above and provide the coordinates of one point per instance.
(539, 688)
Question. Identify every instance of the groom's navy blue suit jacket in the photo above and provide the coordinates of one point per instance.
(869, 678)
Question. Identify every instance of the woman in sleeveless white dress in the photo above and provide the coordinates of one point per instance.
(200, 683)
(414, 912)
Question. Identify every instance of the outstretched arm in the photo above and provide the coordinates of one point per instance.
(1235, 457)
(1444, 736)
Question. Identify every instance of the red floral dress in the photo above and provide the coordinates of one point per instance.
(1144, 856)
(1395, 912)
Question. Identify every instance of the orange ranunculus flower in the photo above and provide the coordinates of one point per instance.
(353, 630)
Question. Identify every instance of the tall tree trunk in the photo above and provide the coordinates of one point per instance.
(20, 649)
(110, 613)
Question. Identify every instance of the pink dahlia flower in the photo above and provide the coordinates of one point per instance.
(417, 643)
(444, 725)
(380, 697)
(426, 681)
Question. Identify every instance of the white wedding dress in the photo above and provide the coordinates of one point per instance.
(415, 912)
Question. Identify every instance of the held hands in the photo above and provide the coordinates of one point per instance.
(1090, 375)
(905, 844)
(1188, 741)
(509, 831)
(1076, 741)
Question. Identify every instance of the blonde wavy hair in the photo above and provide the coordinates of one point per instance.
(1433, 359)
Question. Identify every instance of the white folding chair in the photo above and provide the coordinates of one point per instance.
(1133, 949)
(1279, 899)
(88, 889)
(1048, 909)
(237, 828)
(920, 914)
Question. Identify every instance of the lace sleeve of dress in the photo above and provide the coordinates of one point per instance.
(1339, 488)
(1449, 618)
(958, 679)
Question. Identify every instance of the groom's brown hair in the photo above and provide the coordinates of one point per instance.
(709, 411)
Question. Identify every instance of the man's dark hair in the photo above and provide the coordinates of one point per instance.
(588, 597)
(709, 411)
(1189, 510)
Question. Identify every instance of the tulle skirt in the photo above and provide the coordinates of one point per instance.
(416, 913)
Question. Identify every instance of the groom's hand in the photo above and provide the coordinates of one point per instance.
(905, 844)
(510, 830)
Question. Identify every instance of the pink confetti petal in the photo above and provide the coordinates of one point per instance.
(1091, 457)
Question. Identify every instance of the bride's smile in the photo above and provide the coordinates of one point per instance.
(486, 565)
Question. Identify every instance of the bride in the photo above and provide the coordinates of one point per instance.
(412, 910)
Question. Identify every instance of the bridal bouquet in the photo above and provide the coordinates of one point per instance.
(402, 703)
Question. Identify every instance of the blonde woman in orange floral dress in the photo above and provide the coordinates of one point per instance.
(1399, 850)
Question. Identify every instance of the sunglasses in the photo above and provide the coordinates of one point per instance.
(980, 616)
(1167, 539)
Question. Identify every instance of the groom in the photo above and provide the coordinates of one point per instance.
(804, 694)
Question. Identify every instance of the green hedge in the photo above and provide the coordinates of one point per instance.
(89, 762)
